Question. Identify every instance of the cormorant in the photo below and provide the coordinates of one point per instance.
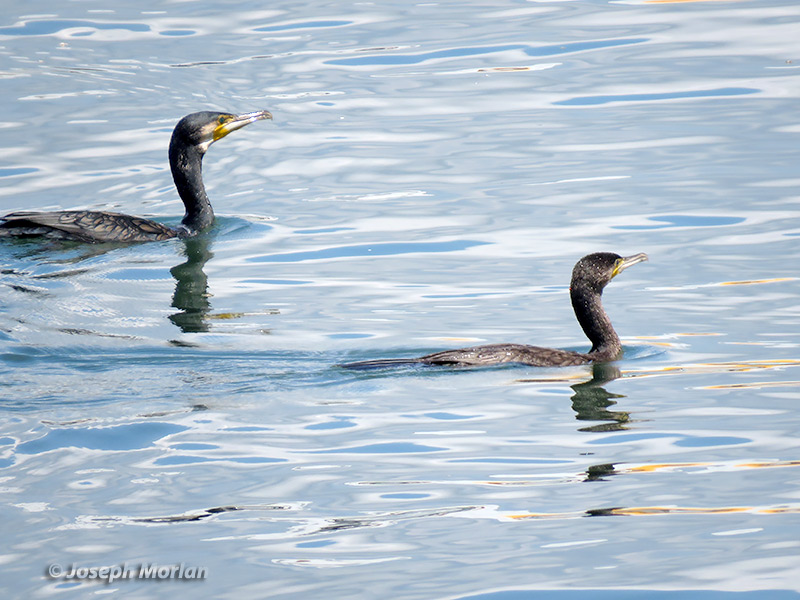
(589, 277)
(191, 138)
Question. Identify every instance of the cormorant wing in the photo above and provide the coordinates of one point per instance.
(86, 226)
(495, 354)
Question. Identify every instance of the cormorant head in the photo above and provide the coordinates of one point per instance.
(201, 129)
(596, 270)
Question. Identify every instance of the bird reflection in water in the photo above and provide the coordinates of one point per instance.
(591, 401)
(191, 295)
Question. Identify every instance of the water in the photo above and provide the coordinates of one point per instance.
(432, 174)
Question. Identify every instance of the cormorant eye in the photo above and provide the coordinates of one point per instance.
(222, 120)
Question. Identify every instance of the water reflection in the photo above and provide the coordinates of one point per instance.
(591, 401)
(600, 472)
(56, 252)
(45, 262)
(191, 288)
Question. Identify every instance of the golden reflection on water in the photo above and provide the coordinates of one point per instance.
(598, 472)
(690, 369)
(721, 283)
(641, 511)
(754, 385)
(711, 465)
(719, 367)
(662, 340)
(757, 281)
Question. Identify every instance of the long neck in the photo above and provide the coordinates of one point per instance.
(594, 321)
(186, 162)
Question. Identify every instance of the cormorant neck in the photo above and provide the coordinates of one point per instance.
(586, 301)
(186, 162)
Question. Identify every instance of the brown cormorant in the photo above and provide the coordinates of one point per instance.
(589, 277)
(191, 138)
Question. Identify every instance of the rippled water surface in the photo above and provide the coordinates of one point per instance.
(433, 172)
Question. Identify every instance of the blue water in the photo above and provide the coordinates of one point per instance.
(432, 174)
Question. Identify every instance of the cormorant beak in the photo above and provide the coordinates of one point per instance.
(627, 261)
(235, 122)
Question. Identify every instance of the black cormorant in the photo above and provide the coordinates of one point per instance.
(191, 138)
(589, 277)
